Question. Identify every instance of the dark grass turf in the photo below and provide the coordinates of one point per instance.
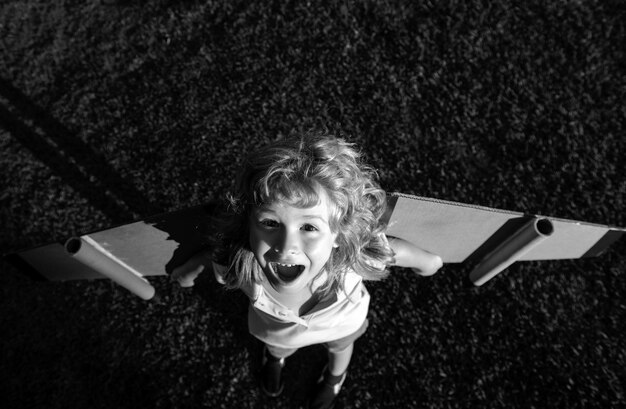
(113, 112)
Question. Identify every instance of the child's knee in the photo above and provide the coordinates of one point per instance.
(279, 352)
(339, 349)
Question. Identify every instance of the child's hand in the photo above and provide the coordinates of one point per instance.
(186, 274)
(420, 261)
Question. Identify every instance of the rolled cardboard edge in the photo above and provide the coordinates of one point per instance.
(87, 251)
(510, 250)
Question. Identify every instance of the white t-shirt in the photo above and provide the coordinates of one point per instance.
(277, 325)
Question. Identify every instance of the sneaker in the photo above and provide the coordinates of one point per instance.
(271, 374)
(327, 389)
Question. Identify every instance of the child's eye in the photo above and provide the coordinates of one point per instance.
(309, 227)
(269, 223)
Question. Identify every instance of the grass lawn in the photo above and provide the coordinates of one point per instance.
(111, 111)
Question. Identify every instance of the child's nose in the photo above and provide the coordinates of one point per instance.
(288, 243)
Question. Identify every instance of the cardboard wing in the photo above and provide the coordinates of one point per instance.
(492, 238)
(125, 254)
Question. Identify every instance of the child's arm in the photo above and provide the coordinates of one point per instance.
(186, 273)
(411, 256)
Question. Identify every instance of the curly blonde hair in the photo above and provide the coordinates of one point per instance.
(293, 171)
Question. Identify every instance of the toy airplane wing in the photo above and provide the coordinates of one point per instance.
(125, 254)
(457, 232)
(492, 238)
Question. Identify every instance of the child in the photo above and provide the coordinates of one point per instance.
(300, 235)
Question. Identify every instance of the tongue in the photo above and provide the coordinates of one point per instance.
(287, 273)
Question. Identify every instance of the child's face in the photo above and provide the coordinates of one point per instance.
(291, 244)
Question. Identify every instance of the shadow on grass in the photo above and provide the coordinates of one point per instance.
(72, 159)
(189, 228)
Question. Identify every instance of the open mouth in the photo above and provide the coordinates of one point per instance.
(287, 272)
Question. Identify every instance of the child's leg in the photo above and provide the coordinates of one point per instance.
(272, 368)
(330, 383)
(340, 351)
(338, 361)
(339, 355)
